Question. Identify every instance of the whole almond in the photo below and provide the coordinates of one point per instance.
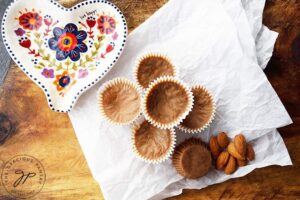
(241, 163)
(223, 139)
(232, 151)
(214, 147)
(222, 160)
(250, 152)
(231, 165)
(240, 144)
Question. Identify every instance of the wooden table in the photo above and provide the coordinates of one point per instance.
(49, 136)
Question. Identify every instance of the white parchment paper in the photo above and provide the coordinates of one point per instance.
(207, 46)
(247, 17)
(264, 41)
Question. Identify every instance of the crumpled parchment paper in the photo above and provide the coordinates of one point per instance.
(217, 43)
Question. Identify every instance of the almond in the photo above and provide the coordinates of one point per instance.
(250, 152)
(231, 166)
(240, 144)
(222, 160)
(241, 163)
(232, 151)
(223, 139)
(214, 147)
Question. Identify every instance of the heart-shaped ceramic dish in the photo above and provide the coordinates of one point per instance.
(64, 50)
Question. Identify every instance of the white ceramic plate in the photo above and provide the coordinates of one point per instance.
(64, 50)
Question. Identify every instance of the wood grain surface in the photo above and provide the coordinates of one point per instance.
(50, 138)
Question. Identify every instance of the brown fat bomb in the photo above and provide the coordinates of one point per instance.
(152, 143)
(192, 159)
(120, 101)
(166, 102)
(202, 112)
(153, 66)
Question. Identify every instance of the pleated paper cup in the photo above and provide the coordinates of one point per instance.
(167, 102)
(203, 112)
(192, 159)
(120, 101)
(151, 144)
(152, 66)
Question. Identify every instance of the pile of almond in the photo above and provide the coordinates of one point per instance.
(229, 155)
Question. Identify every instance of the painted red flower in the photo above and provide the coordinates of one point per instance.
(25, 43)
(109, 48)
(31, 21)
(48, 20)
(91, 22)
(106, 24)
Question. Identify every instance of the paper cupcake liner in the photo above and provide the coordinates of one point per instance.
(138, 65)
(181, 117)
(158, 160)
(113, 82)
(212, 117)
(176, 158)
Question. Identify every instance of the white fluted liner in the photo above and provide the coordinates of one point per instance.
(148, 55)
(200, 129)
(177, 121)
(113, 82)
(160, 159)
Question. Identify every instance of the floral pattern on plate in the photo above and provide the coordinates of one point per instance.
(65, 51)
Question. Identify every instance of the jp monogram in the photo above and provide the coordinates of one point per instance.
(23, 176)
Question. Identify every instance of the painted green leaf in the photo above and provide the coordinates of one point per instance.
(42, 64)
(41, 51)
(97, 45)
(59, 67)
(81, 63)
(94, 53)
(68, 62)
(37, 34)
(46, 57)
(88, 58)
(101, 37)
(38, 67)
(36, 41)
(74, 67)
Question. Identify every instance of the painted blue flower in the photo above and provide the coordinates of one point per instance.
(68, 42)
